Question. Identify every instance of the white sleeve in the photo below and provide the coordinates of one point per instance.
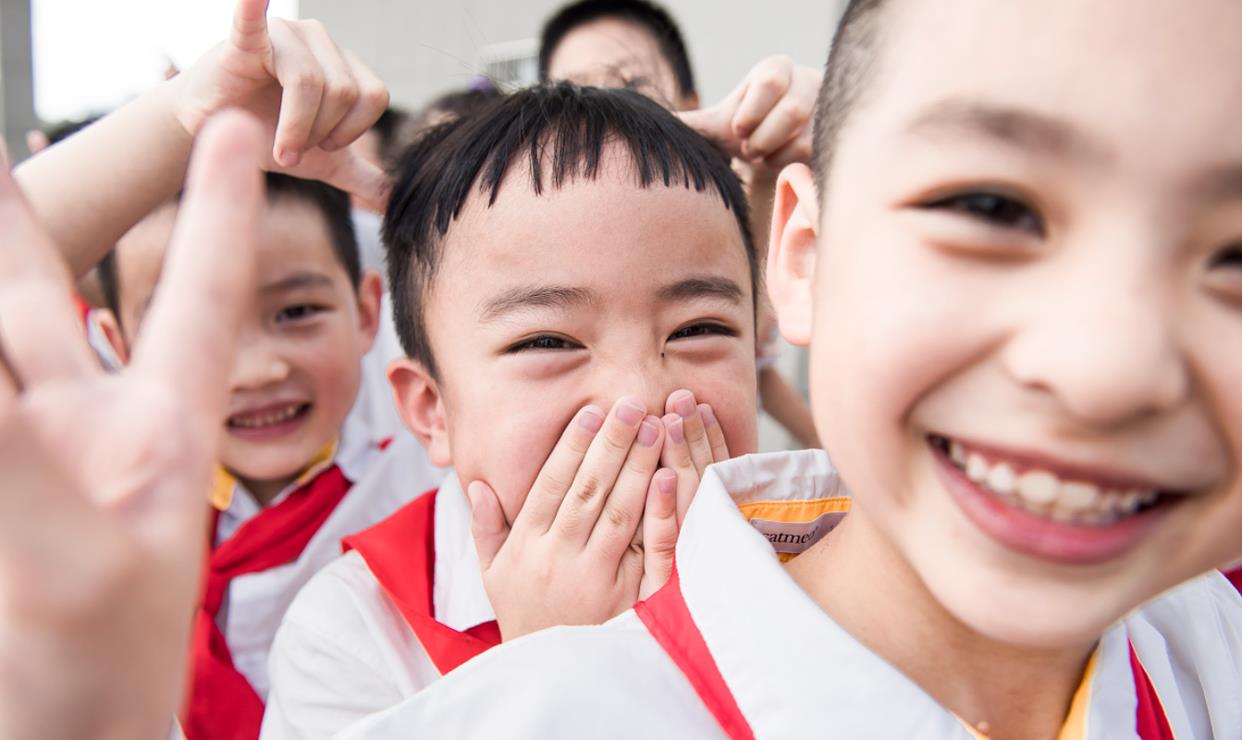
(327, 668)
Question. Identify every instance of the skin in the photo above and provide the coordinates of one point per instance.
(613, 52)
(300, 343)
(1101, 343)
(495, 414)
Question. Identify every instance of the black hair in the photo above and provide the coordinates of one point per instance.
(332, 203)
(560, 132)
(649, 16)
(60, 131)
(388, 129)
(850, 63)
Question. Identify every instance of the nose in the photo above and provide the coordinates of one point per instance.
(650, 382)
(1105, 344)
(256, 363)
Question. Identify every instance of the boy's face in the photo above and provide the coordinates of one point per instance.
(612, 52)
(296, 371)
(543, 304)
(1026, 327)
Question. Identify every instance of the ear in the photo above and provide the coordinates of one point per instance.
(370, 290)
(791, 252)
(421, 406)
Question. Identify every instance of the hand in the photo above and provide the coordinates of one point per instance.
(313, 98)
(574, 554)
(693, 441)
(766, 120)
(102, 514)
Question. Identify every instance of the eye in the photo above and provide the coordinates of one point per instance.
(299, 312)
(700, 330)
(994, 209)
(544, 342)
(1229, 258)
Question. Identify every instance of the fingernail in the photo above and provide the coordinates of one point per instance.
(289, 158)
(683, 404)
(709, 416)
(676, 428)
(630, 413)
(666, 481)
(649, 432)
(591, 419)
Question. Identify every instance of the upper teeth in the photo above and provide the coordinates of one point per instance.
(273, 417)
(1042, 492)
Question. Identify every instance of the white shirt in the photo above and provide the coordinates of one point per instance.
(374, 407)
(256, 602)
(792, 670)
(344, 651)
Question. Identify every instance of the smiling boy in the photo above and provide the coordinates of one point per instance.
(1019, 287)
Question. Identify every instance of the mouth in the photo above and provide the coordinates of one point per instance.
(1052, 511)
(269, 421)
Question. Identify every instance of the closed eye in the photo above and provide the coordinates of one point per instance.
(994, 209)
(1229, 258)
(702, 330)
(543, 342)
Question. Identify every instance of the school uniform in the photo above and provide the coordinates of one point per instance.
(401, 608)
(732, 647)
(260, 559)
(374, 405)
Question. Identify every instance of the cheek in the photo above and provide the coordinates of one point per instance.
(734, 401)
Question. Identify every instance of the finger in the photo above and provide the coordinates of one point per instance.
(796, 150)
(716, 122)
(659, 532)
(767, 84)
(340, 91)
(599, 471)
(208, 273)
(676, 455)
(715, 435)
(623, 509)
(683, 404)
(371, 103)
(787, 121)
(558, 471)
(39, 325)
(488, 526)
(353, 174)
(302, 83)
(249, 32)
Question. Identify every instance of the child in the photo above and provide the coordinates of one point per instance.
(532, 291)
(1017, 285)
(764, 123)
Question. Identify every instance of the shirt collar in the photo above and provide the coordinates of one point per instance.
(458, 596)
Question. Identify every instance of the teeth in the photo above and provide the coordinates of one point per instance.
(1042, 492)
(276, 417)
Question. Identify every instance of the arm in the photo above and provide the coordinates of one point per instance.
(783, 404)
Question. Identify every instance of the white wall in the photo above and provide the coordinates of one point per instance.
(421, 47)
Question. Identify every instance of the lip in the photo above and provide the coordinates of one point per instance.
(1059, 542)
(275, 431)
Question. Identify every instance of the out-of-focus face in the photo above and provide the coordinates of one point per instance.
(297, 369)
(139, 260)
(543, 304)
(1026, 333)
(612, 52)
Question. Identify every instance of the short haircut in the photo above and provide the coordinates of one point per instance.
(850, 63)
(456, 104)
(647, 15)
(330, 202)
(560, 132)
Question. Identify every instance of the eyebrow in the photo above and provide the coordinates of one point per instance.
(300, 279)
(535, 296)
(1013, 126)
(702, 287)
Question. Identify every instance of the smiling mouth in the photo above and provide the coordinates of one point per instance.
(1065, 499)
(270, 418)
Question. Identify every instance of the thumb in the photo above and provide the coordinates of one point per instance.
(488, 526)
(659, 532)
(360, 178)
(250, 26)
(716, 122)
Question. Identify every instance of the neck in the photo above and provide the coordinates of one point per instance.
(857, 577)
(266, 491)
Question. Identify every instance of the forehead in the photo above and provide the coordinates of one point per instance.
(606, 233)
(1149, 80)
(606, 45)
(293, 236)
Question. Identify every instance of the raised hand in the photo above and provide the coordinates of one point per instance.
(101, 510)
(313, 97)
(574, 554)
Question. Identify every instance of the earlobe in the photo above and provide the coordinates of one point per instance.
(421, 407)
(791, 252)
(370, 293)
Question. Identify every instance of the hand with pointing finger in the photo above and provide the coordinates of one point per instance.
(313, 97)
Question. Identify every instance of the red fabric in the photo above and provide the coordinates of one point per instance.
(1152, 724)
(83, 308)
(221, 704)
(401, 553)
(1235, 577)
(669, 621)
